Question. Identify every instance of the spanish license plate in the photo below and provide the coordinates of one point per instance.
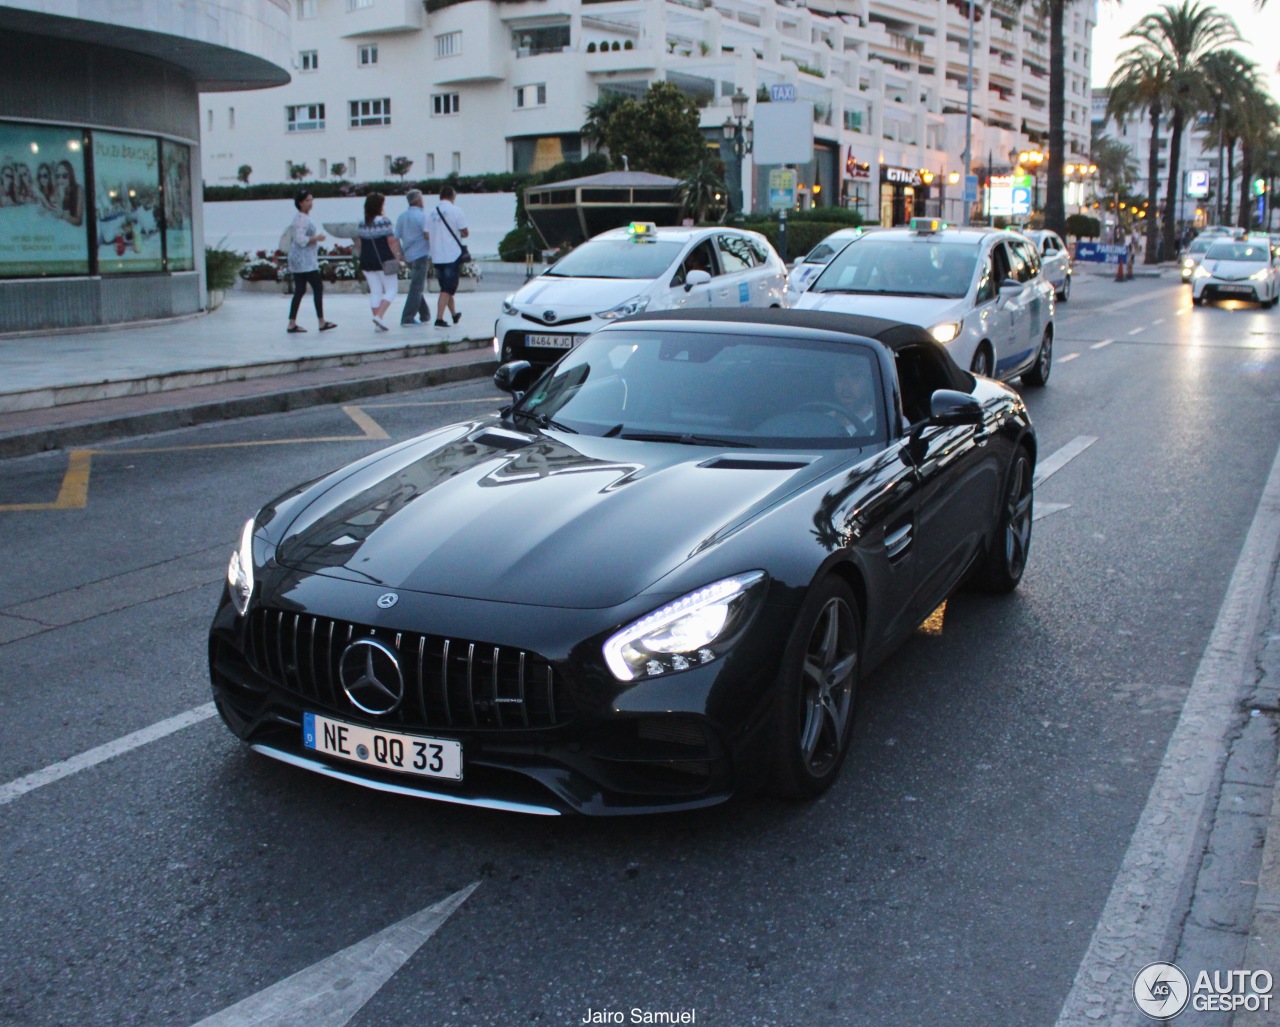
(386, 750)
(1235, 289)
(551, 341)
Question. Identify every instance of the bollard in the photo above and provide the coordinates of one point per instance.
(1120, 269)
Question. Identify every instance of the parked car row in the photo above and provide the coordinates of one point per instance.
(986, 294)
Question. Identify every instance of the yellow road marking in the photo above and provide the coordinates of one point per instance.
(74, 493)
(933, 623)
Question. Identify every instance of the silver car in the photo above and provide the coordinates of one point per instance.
(1055, 259)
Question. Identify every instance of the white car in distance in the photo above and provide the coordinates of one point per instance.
(642, 267)
(1241, 269)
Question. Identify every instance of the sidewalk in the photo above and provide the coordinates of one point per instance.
(75, 388)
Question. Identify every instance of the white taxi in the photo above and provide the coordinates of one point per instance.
(628, 270)
(1242, 269)
(981, 292)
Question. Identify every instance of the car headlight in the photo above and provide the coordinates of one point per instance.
(946, 331)
(1200, 272)
(1259, 276)
(632, 306)
(508, 307)
(240, 570)
(695, 629)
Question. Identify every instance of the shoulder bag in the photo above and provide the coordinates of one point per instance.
(465, 255)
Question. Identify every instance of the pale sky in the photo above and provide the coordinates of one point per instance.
(1256, 27)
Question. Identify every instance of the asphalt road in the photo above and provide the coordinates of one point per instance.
(953, 876)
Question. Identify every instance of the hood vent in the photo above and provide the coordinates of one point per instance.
(737, 463)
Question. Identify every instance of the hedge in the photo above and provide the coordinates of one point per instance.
(499, 182)
(802, 235)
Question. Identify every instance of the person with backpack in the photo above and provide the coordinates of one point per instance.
(304, 263)
(446, 228)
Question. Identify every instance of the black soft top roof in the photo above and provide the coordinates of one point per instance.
(894, 335)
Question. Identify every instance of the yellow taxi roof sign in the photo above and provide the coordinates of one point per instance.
(641, 231)
(926, 225)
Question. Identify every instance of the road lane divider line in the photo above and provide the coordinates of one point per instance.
(1158, 321)
(1045, 509)
(92, 757)
(1066, 357)
(329, 993)
(1138, 330)
(1059, 459)
(1141, 919)
(1103, 344)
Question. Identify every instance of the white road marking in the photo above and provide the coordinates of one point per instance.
(1135, 331)
(1068, 356)
(1045, 509)
(1101, 345)
(92, 757)
(1052, 464)
(329, 993)
(1158, 321)
(1139, 919)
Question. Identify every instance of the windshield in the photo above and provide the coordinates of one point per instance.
(617, 258)
(1242, 251)
(705, 388)
(901, 267)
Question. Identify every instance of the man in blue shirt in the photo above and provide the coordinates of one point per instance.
(411, 230)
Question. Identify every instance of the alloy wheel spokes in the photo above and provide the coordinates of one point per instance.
(828, 673)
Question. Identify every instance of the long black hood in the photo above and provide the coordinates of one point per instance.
(482, 512)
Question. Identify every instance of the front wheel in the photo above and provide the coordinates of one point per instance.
(981, 362)
(817, 690)
(1001, 569)
(1066, 290)
(1039, 373)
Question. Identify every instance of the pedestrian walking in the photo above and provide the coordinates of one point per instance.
(411, 230)
(447, 227)
(304, 263)
(380, 257)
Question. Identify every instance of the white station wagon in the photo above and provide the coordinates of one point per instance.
(628, 270)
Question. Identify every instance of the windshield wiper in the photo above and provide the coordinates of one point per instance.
(543, 421)
(683, 438)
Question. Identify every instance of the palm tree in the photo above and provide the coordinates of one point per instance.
(1257, 137)
(1139, 83)
(1116, 168)
(1179, 39)
(598, 115)
(1231, 81)
(703, 190)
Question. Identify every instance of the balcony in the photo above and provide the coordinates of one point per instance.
(381, 17)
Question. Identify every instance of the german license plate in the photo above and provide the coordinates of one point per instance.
(551, 341)
(386, 750)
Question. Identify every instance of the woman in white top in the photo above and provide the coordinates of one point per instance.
(304, 263)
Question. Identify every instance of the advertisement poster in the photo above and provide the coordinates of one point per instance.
(176, 159)
(126, 170)
(42, 201)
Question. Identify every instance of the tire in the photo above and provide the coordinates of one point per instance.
(982, 363)
(1002, 568)
(1066, 290)
(818, 689)
(1038, 376)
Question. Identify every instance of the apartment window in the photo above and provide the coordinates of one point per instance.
(355, 5)
(351, 166)
(386, 164)
(304, 117)
(368, 54)
(457, 161)
(210, 119)
(531, 96)
(431, 164)
(231, 117)
(449, 44)
(324, 168)
(306, 9)
(548, 39)
(370, 112)
(308, 60)
(444, 103)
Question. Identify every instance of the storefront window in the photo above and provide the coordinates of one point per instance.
(179, 250)
(126, 172)
(42, 202)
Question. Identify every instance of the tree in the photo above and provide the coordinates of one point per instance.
(1116, 169)
(400, 166)
(297, 172)
(337, 170)
(1231, 82)
(243, 173)
(1179, 39)
(1257, 137)
(1139, 83)
(598, 115)
(660, 134)
(703, 191)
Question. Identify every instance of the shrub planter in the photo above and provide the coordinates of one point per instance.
(215, 298)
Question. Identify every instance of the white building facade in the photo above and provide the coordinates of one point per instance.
(482, 86)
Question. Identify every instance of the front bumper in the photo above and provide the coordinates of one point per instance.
(582, 743)
(1220, 289)
(516, 338)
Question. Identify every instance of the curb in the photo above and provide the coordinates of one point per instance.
(138, 414)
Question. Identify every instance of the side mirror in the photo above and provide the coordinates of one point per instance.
(947, 407)
(696, 277)
(514, 377)
(1010, 284)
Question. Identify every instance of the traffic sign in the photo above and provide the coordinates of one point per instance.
(782, 188)
(782, 92)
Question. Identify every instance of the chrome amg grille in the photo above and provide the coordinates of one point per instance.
(448, 682)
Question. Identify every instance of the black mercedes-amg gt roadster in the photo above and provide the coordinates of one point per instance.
(653, 580)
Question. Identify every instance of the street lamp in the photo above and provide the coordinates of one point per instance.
(738, 130)
(1077, 175)
(1030, 160)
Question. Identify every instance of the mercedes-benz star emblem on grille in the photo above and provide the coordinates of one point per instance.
(370, 675)
(387, 600)
(549, 316)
